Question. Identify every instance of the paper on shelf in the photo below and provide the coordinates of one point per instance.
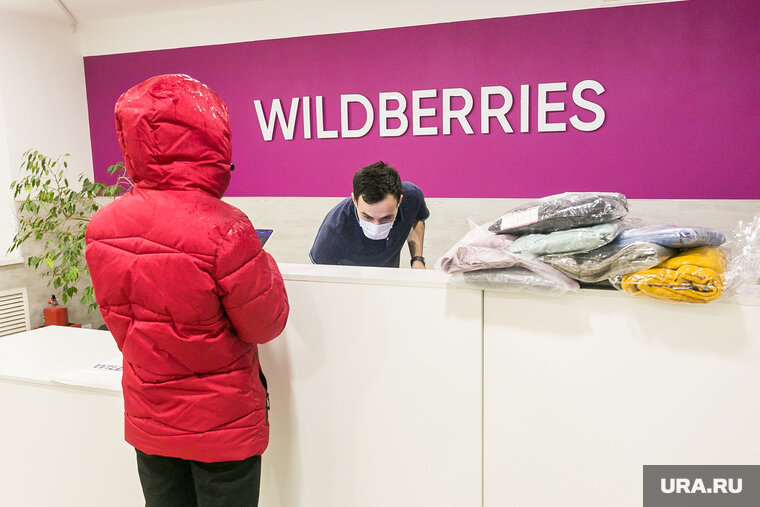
(105, 375)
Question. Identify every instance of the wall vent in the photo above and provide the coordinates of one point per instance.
(14, 311)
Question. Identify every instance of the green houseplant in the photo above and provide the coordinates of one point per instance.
(53, 217)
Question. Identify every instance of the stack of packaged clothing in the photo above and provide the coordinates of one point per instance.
(550, 244)
(494, 257)
(482, 259)
(668, 262)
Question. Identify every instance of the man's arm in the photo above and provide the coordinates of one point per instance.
(326, 248)
(415, 241)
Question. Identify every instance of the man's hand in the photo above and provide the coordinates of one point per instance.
(415, 241)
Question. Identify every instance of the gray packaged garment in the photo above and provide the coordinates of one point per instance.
(562, 211)
(544, 282)
(609, 261)
(581, 239)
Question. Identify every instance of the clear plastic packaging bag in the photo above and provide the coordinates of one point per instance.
(562, 211)
(743, 271)
(581, 239)
(694, 276)
(608, 261)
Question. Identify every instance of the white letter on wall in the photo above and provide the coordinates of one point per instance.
(397, 113)
(545, 107)
(306, 115)
(588, 84)
(418, 112)
(461, 114)
(486, 113)
(267, 125)
(321, 132)
(345, 100)
(525, 108)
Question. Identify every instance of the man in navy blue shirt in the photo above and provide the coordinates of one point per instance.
(371, 227)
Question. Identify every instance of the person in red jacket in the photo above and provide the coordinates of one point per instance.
(188, 294)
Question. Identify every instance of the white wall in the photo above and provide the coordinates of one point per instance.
(7, 223)
(42, 100)
(271, 19)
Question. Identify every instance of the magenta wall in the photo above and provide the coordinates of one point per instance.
(682, 103)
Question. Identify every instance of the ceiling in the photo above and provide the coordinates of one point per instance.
(89, 10)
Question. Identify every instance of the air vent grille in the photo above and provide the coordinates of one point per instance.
(14, 312)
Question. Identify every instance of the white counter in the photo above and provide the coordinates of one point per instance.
(364, 275)
(580, 392)
(61, 446)
(375, 387)
(390, 387)
(38, 356)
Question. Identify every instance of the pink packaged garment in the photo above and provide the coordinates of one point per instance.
(480, 250)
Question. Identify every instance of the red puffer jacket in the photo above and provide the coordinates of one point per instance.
(182, 281)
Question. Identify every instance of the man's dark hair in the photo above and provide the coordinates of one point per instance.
(376, 181)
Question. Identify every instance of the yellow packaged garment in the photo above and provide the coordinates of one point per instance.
(695, 276)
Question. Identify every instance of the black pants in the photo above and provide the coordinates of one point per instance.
(174, 482)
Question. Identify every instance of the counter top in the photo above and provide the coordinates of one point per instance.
(39, 355)
(364, 275)
(406, 277)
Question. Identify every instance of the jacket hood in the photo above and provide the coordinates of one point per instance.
(174, 133)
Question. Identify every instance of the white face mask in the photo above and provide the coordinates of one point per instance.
(373, 231)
